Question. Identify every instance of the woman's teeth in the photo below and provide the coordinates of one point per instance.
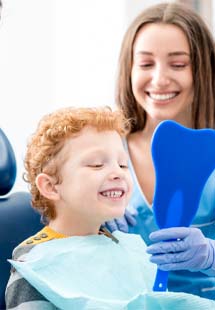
(112, 194)
(162, 96)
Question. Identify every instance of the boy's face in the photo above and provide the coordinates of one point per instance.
(96, 183)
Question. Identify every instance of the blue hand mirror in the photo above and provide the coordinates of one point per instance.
(183, 160)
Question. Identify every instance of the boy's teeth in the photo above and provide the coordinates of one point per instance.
(162, 96)
(112, 194)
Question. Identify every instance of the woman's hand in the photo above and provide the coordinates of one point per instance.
(182, 248)
(122, 223)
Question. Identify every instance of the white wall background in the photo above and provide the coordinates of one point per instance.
(55, 53)
(26, 70)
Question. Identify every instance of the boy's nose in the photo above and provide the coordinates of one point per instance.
(115, 176)
(116, 173)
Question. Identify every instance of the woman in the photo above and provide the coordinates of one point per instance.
(167, 71)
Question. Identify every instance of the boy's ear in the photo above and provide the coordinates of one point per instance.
(46, 185)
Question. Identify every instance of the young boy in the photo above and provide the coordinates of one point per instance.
(77, 169)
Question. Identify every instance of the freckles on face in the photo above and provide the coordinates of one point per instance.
(161, 74)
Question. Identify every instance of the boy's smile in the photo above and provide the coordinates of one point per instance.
(113, 193)
(96, 183)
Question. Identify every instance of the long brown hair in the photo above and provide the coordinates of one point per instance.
(202, 50)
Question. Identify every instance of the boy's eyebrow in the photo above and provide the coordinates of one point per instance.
(103, 152)
(95, 152)
(176, 53)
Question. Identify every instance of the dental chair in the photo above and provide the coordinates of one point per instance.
(18, 220)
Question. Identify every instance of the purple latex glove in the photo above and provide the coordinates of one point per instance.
(190, 250)
(122, 223)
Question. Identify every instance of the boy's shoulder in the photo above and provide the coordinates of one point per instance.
(42, 236)
(24, 247)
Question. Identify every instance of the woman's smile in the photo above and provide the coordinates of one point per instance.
(162, 98)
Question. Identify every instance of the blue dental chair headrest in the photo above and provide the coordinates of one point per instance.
(18, 220)
(7, 165)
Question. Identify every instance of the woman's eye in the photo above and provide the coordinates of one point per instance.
(179, 65)
(146, 65)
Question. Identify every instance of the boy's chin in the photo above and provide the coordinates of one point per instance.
(116, 215)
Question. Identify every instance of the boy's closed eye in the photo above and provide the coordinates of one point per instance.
(96, 165)
(100, 165)
(123, 166)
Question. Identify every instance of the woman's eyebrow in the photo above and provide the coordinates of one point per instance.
(178, 53)
(144, 53)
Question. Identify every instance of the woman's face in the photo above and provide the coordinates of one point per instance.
(161, 75)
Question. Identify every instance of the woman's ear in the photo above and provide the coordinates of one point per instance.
(47, 186)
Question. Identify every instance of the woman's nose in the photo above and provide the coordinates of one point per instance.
(160, 77)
